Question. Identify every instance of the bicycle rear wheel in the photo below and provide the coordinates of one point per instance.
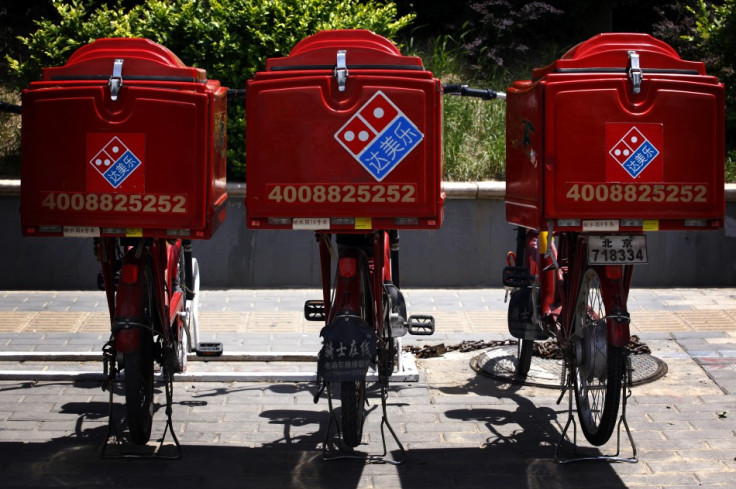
(352, 392)
(598, 367)
(524, 351)
(138, 368)
(352, 399)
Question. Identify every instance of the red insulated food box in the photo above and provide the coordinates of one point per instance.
(344, 134)
(123, 140)
(618, 134)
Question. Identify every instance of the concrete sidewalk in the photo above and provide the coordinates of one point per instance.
(461, 428)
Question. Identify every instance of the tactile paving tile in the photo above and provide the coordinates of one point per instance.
(450, 322)
(710, 320)
(488, 321)
(14, 321)
(56, 322)
(229, 322)
(96, 322)
(275, 322)
(658, 321)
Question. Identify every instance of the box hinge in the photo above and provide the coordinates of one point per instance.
(116, 80)
(634, 71)
(341, 71)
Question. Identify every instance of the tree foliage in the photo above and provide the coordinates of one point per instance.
(231, 39)
(706, 31)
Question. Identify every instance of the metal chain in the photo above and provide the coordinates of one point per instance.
(548, 349)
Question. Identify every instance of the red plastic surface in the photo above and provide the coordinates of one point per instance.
(151, 163)
(305, 138)
(583, 149)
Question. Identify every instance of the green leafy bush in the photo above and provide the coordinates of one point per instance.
(475, 139)
(707, 31)
(9, 136)
(474, 143)
(231, 39)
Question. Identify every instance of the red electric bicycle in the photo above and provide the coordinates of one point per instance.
(364, 160)
(597, 153)
(365, 315)
(151, 287)
(573, 287)
(134, 157)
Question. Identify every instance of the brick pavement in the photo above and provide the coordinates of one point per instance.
(461, 429)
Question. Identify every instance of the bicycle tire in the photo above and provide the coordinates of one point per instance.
(352, 399)
(138, 368)
(524, 351)
(598, 367)
(179, 328)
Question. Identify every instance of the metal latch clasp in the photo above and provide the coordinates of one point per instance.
(634, 71)
(341, 71)
(116, 80)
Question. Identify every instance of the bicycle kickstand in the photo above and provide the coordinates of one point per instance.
(344, 453)
(113, 438)
(615, 457)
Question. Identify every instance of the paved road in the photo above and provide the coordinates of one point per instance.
(461, 428)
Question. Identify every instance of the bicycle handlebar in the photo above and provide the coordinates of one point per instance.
(465, 91)
(5, 107)
(235, 93)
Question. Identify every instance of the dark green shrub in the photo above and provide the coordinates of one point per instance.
(707, 31)
(231, 39)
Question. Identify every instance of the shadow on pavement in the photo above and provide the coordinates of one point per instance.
(518, 454)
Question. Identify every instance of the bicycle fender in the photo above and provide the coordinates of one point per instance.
(617, 326)
(348, 349)
(128, 303)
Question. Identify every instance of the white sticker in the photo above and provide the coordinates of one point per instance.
(81, 232)
(600, 226)
(310, 223)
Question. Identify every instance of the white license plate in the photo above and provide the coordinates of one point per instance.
(617, 250)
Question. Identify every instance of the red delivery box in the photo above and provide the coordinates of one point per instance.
(123, 140)
(345, 133)
(619, 134)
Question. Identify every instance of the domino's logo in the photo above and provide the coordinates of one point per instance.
(115, 162)
(379, 136)
(637, 149)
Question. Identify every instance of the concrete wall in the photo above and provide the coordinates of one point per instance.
(469, 251)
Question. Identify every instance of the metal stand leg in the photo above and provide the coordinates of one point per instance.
(626, 393)
(124, 448)
(347, 453)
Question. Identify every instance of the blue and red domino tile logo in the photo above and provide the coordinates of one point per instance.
(634, 150)
(117, 159)
(379, 136)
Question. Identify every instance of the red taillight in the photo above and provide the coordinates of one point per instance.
(128, 340)
(129, 274)
(348, 267)
(614, 272)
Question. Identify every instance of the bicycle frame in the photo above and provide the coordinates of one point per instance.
(347, 294)
(558, 284)
(124, 300)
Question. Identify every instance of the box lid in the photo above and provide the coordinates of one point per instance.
(143, 59)
(609, 53)
(364, 49)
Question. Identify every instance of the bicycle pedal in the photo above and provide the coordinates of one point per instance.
(516, 277)
(209, 349)
(421, 325)
(314, 310)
